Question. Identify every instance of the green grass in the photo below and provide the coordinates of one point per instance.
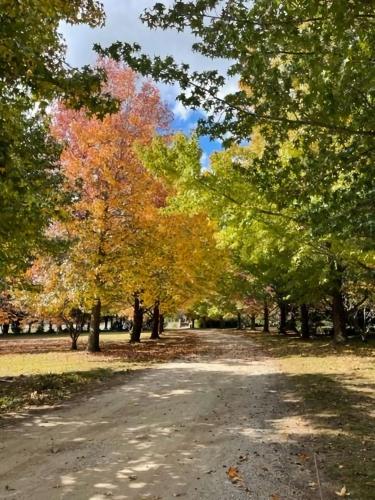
(40, 369)
(50, 354)
(47, 389)
(334, 387)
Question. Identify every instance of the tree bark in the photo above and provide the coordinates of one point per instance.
(5, 328)
(137, 320)
(266, 323)
(283, 313)
(293, 321)
(193, 323)
(338, 307)
(161, 324)
(252, 322)
(305, 331)
(222, 322)
(155, 322)
(239, 321)
(93, 340)
(338, 317)
(73, 346)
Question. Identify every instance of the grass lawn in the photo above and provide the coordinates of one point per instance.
(333, 390)
(39, 370)
(36, 355)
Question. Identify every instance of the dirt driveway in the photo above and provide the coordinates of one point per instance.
(177, 430)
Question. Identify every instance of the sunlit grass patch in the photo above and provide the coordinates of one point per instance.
(336, 389)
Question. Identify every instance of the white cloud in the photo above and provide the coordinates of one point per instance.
(181, 111)
(123, 24)
(205, 161)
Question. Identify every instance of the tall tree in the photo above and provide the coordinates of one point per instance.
(113, 196)
(33, 71)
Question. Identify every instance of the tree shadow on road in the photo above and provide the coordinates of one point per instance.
(175, 431)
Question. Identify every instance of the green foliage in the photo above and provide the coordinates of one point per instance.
(33, 72)
(296, 207)
(278, 49)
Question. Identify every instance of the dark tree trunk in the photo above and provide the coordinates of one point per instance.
(155, 322)
(338, 317)
(305, 331)
(161, 324)
(293, 321)
(50, 328)
(203, 322)
(106, 323)
(283, 314)
(338, 307)
(266, 313)
(252, 322)
(239, 321)
(5, 328)
(73, 346)
(29, 328)
(222, 322)
(137, 321)
(193, 324)
(93, 340)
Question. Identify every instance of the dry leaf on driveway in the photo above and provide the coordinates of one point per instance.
(343, 492)
(233, 474)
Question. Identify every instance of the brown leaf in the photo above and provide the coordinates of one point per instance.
(275, 496)
(303, 456)
(343, 492)
(233, 474)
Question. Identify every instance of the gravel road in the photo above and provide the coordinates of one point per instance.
(177, 430)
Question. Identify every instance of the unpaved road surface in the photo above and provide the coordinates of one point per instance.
(171, 431)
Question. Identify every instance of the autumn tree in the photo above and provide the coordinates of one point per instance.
(305, 86)
(33, 72)
(112, 195)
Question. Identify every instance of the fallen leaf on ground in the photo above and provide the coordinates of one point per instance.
(275, 497)
(343, 492)
(233, 474)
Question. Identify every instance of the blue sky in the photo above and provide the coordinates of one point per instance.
(122, 23)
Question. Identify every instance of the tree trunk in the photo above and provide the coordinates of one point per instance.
(73, 346)
(155, 322)
(239, 321)
(50, 328)
(222, 322)
(161, 324)
(5, 328)
(137, 321)
(283, 313)
(293, 321)
(338, 317)
(305, 331)
(203, 322)
(93, 340)
(193, 324)
(106, 323)
(266, 312)
(252, 322)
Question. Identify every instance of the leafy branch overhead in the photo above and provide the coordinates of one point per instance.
(299, 65)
